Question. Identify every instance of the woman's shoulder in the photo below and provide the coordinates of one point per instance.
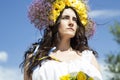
(89, 56)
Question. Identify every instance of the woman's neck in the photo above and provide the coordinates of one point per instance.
(64, 45)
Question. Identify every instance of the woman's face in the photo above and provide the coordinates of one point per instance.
(68, 24)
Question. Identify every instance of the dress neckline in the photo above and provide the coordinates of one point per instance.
(53, 58)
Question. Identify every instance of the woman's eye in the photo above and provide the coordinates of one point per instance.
(68, 17)
(65, 17)
(74, 19)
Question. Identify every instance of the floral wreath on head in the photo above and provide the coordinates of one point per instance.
(43, 13)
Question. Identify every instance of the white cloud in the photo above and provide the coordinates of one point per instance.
(104, 13)
(3, 56)
(10, 74)
(7, 73)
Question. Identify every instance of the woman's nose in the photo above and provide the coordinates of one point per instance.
(71, 23)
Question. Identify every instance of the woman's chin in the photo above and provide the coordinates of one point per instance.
(70, 35)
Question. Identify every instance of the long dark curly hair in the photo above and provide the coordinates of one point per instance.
(50, 39)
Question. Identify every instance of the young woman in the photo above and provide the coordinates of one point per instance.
(63, 53)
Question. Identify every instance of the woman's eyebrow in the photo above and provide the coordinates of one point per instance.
(64, 15)
(68, 16)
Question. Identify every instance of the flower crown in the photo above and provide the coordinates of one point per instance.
(43, 13)
(78, 5)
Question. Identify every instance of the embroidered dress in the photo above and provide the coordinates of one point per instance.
(53, 69)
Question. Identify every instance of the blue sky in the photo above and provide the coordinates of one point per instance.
(17, 33)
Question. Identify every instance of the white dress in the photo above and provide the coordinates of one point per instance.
(53, 70)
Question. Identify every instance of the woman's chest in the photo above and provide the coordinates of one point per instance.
(66, 56)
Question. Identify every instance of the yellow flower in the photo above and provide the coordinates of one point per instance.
(67, 2)
(70, 2)
(76, 6)
(66, 77)
(53, 15)
(56, 7)
(61, 5)
(76, 76)
(81, 76)
(81, 5)
(84, 22)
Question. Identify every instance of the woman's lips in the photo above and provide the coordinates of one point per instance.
(71, 29)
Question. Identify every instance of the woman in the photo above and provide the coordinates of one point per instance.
(63, 53)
